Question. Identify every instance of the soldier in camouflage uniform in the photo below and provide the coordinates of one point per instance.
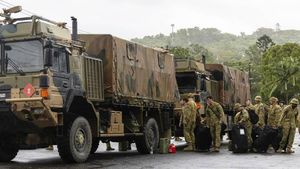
(242, 118)
(260, 111)
(215, 115)
(274, 113)
(288, 122)
(189, 122)
(249, 105)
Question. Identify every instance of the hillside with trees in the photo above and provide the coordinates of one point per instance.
(223, 47)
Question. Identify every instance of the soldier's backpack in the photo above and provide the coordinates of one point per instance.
(239, 139)
(253, 116)
(203, 138)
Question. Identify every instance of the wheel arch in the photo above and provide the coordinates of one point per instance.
(78, 104)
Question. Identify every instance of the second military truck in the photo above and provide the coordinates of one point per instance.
(61, 89)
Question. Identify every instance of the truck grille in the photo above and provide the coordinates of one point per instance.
(93, 76)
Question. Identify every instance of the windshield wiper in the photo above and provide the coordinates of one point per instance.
(14, 65)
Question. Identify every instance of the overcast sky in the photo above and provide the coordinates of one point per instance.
(137, 18)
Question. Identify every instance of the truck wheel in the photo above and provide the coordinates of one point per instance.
(95, 146)
(76, 143)
(149, 141)
(8, 147)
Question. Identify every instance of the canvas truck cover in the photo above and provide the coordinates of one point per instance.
(132, 71)
(183, 65)
(233, 84)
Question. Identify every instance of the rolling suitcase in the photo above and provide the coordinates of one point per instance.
(239, 139)
(203, 138)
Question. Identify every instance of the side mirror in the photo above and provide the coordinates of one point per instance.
(48, 57)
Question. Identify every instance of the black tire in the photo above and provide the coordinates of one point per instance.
(76, 144)
(149, 141)
(8, 147)
(95, 145)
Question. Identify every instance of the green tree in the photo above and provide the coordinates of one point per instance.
(280, 69)
(264, 43)
(180, 52)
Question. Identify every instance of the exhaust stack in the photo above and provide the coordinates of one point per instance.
(74, 28)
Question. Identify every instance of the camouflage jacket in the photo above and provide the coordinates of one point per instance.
(289, 117)
(260, 111)
(214, 113)
(189, 113)
(243, 118)
(274, 115)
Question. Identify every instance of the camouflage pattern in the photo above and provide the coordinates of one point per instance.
(189, 121)
(288, 122)
(215, 116)
(242, 117)
(274, 115)
(260, 111)
(233, 85)
(133, 71)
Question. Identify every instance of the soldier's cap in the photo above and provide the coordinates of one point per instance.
(294, 101)
(190, 95)
(273, 99)
(257, 98)
(236, 106)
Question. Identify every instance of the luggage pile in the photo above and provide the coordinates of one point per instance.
(262, 138)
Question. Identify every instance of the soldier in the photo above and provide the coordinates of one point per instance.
(274, 113)
(260, 111)
(281, 104)
(249, 105)
(215, 115)
(288, 121)
(242, 118)
(189, 122)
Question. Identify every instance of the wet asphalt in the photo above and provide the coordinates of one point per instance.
(45, 159)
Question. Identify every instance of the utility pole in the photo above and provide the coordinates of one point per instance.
(172, 34)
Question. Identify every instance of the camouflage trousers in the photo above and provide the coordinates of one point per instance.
(249, 135)
(188, 131)
(215, 132)
(288, 133)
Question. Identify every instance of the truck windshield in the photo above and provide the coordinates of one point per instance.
(22, 57)
(186, 82)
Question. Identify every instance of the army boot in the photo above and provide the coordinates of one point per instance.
(216, 150)
(279, 150)
(50, 148)
(189, 147)
(289, 151)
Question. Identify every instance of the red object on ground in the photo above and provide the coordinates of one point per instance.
(172, 148)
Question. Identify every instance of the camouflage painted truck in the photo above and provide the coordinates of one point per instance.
(58, 90)
(225, 84)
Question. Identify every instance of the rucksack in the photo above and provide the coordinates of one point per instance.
(253, 116)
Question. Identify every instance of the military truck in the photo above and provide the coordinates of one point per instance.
(225, 84)
(58, 88)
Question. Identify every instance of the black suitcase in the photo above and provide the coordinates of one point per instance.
(256, 132)
(265, 138)
(277, 140)
(239, 139)
(203, 138)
